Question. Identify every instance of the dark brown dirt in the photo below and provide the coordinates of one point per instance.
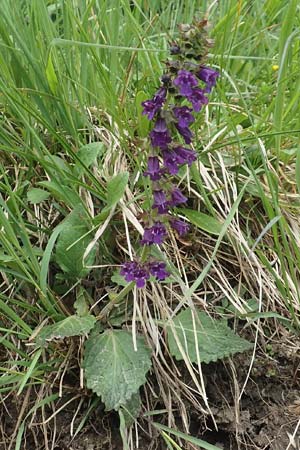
(266, 418)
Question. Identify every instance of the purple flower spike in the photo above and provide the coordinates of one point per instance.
(184, 116)
(185, 155)
(158, 270)
(185, 133)
(180, 226)
(209, 76)
(160, 136)
(155, 234)
(198, 99)
(177, 197)
(160, 202)
(185, 81)
(153, 170)
(153, 106)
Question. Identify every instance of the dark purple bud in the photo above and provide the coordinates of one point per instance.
(153, 106)
(171, 161)
(209, 76)
(175, 49)
(160, 202)
(177, 197)
(165, 79)
(183, 115)
(153, 170)
(158, 270)
(185, 81)
(198, 99)
(155, 234)
(185, 155)
(160, 136)
(180, 226)
(185, 133)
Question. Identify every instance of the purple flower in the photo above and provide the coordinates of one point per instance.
(209, 76)
(183, 115)
(185, 81)
(198, 99)
(153, 170)
(172, 161)
(180, 226)
(177, 197)
(133, 271)
(158, 270)
(128, 269)
(155, 234)
(185, 133)
(151, 107)
(160, 201)
(176, 157)
(160, 136)
(185, 155)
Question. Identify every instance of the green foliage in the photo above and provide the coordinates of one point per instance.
(74, 72)
(88, 154)
(202, 338)
(81, 303)
(116, 188)
(37, 195)
(71, 326)
(202, 221)
(114, 370)
(130, 410)
(72, 243)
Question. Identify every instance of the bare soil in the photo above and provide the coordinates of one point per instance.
(265, 418)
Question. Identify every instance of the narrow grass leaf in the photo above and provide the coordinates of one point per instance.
(198, 442)
(202, 221)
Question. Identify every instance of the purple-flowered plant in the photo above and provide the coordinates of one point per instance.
(183, 92)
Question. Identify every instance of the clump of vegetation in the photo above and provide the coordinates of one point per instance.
(118, 304)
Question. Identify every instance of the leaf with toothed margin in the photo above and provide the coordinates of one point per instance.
(113, 369)
(214, 339)
(71, 326)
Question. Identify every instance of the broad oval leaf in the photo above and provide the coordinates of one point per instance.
(202, 221)
(214, 339)
(113, 369)
(71, 326)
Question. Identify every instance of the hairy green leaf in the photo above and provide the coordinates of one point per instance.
(71, 326)
(72, 243)
(113, 369)
(36, 195)
(88, 154)
(81, 304)
(211, 339)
